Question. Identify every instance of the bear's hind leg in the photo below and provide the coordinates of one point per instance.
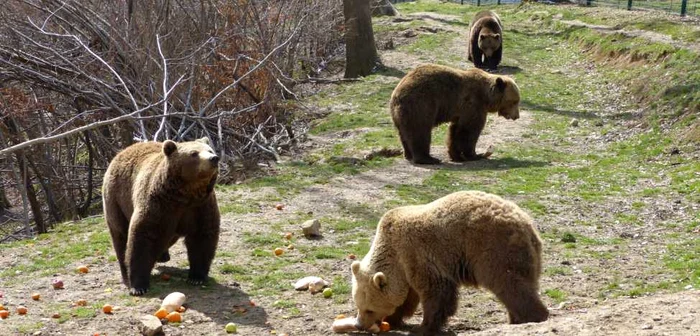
(406, 148)
(405, 310)
(439, 303)
(420, 148)
(522, 301)
(118, 228)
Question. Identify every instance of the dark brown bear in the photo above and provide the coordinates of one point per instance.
(153, 194)
(431, 95)
(486, 40)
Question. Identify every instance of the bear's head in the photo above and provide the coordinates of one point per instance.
(194, 162)
(489, 42)
(505, 98)
(375, 296)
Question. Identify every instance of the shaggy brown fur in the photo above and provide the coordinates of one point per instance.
(422, 254)
(486, 40)
(153, 194)
(434, 94)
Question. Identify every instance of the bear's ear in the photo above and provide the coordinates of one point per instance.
(497, 36)
(169, 147)
(355, 267)
(379, 280)
(500, 84)
(203, 140)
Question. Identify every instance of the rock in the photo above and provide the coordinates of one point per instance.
(566, 262)
(173, 301)
(383, 152)
(409, 33)
(598, 123)
(647, 327)
(151, 326)
(312, 283)
(574, 122)
(311, 228)
(389, 45)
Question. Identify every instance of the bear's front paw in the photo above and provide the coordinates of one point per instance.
(196, 281)
(138, 291)
(427, 160)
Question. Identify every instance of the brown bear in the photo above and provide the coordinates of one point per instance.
(486, 40)
(434, 94)
(423, 253)
(154, 193)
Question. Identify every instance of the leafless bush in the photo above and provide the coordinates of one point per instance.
(82, 79)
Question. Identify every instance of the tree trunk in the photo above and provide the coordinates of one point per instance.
(383, 7)
(360, 51)
(4, 202)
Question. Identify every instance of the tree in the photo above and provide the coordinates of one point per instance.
(383, 7)
(360, 50)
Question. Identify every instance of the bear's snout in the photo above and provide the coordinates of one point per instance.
(214, 159)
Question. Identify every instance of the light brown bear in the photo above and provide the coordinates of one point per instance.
(485, 40)
(154, 193)
(424, 253)
(432, 94)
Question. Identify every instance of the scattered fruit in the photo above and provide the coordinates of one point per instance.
(252, 303)
(290, 247)
(288, 236)
(161, 313)
(327, 293)
(384, 327)
(174, 317)
(107, 309)
(57, 283)
(181, 309)
(4, 314)
(21, 310)
(83, 269)
(231, 328)
(279, 206)
(279, 251)
(56, 315)
(165, 276)
(81, 302)
(339, 316)
(2, 307)
(36, 296)
(313, 283)
(352, 256)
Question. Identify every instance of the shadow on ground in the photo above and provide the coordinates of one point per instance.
(486, 164)
(223, 303)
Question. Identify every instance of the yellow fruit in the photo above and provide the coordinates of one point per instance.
(174, 317)
(81, 302)
(21, 310)
(36, 296)
(351, 256)
(107, 309)
(2, 307)
(181, 309)
(279, 251)
(290, 247)
(83, 269)
(279, 206)
(340, 317)
(161, 313)
(56, 315)
(288, 235)
(4, 314)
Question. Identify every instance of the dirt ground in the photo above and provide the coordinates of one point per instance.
(211, 307)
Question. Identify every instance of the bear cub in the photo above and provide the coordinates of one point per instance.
(153, 194)
(432, 94)
(486, 40)
(424, 253)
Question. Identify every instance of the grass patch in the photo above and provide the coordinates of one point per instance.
(555, 294)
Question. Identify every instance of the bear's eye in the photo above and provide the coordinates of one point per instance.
(194, 154)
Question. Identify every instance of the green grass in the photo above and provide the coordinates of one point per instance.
(555, 294)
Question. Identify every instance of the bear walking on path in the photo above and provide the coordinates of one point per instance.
(432, 94)
(424, 253)
(153, 194)
(486, 40)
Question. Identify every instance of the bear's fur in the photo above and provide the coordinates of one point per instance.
(434, 94)
(153, 194)
(423, 253)
(486, 40)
